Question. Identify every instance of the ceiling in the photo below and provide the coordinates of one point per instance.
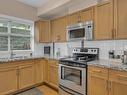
(34, 3)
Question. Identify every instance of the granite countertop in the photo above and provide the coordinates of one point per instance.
(6, 60)
(109, 64)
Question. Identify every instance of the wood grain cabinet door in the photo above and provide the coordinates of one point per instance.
(120, 9)
(73, 18)
(118, 88)
(97, 81)
(58, 29)
(103, 26)
(97, 86)
(118, 82)
(39, 69)
(53, 73)
(26, 76)
(42, 29)
(8, 80)
(87, 14)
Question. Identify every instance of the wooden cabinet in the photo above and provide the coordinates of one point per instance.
(46, 71)
(120, 19)
(58, 29)
(52, 73)
(39, 70)
(26, 75)
(42, 29)
(87, 14)
(74, 18)
(97, 81)
(117, 83)
(103, 27)
(102, 81)
(8, 80)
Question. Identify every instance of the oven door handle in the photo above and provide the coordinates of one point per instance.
(65, 90)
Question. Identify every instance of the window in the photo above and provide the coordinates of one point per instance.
(15, 36)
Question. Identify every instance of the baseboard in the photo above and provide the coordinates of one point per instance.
(25, 89)
(52, 86)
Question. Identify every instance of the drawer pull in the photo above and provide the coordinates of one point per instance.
(97, 71)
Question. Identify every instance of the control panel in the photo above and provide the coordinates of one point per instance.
(86, 50)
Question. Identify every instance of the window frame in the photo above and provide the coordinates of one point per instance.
(9, 34)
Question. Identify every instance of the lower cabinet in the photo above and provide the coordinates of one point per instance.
(26, 76)
(52, 73)
(117, 82)
(8, 80)
(103, 81)
(39, 69)
(97, 81)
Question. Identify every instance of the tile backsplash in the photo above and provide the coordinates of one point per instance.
(105, 46)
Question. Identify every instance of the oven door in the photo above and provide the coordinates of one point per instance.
(73, 78)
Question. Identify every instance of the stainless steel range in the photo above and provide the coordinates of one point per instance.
(73, 71)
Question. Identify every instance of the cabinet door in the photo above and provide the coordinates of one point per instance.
(46, 71)
(104, 21)
(74, 18)
(87, 14)
(120, 15)
(53, 73)
(58, 28)
(8, 80)
(97, 81)
(97, 86)
(26, 76)
(39, 68)
(118, 82)
(118, 88)
(43, 31)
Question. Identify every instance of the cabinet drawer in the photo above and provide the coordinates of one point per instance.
(118, 76)
(98, 72)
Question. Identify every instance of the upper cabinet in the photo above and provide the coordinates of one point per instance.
(58, 29)
(42, 29)
(74, 18)
(81, 16)
(120, 19)
(103, 25)
(87, 14)
(110, 20)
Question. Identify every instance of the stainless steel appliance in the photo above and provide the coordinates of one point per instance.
(80, 31)
(73, 71)
(48, 50)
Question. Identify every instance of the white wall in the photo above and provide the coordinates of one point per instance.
(17, 9)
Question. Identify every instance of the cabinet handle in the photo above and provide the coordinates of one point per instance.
(110, 86)
(113, 33)
(97, 71)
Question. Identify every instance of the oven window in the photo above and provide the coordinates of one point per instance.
(73, 75)
(77, 33)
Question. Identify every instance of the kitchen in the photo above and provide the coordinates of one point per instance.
(63, 47)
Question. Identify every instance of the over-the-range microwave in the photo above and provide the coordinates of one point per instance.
(80, 31)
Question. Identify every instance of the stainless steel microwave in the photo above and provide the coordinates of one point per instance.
(80, 31)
